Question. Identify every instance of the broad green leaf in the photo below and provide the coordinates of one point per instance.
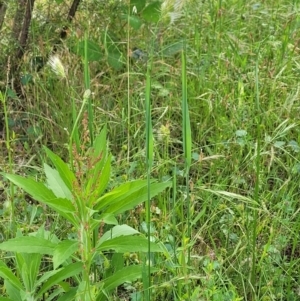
(37, 190)
(107, 218)
(44, 195)
(124, 244)
(119, 230)
(120, 193)
(28, 265)
(115, 59)
(13, 292)
(28, 244)
(133, 199)
(113, 53)
(63, 251)
(152, 12)
(134, 21)
(64, 171)
(173, 48)
(8, 275)
(127, 274)
(100, 145)
(69, 295)
(56, 184)
(45, 276)
(94, 52)
(64, 273)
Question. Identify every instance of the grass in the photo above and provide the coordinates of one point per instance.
(241, 239)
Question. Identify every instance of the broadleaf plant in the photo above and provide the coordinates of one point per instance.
(78, 194)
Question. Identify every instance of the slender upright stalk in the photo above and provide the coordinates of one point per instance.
(3, 99)
(187, 148)
(257, 171)
(87, 85)
(149, 158)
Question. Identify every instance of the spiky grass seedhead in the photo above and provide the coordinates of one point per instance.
(57, 66)
(172, 10)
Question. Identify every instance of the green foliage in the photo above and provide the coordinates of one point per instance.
(229, 227)
(80, 198)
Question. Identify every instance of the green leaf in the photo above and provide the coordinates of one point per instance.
(28, 244)
(99, 177)
(128, 195)
(152, 12)
(119, 230)
(65, 173)
(26, 79)
(44, 195)
(94, 52)
(5, 299)
(173, 48)
(8, 275)
(100, 145)
(69, 296)
(66, 272)
(28, 265)
(132, 199)
(119, 193)
(63, 251)
(115, 59)
(37, 190)
(134, 21)
(56, 184)
(13, 292)
(127, 274)
(124, 244)
(107, 218)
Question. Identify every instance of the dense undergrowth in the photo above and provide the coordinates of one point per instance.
(238, 237)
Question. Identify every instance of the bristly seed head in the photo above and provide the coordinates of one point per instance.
(56, 65)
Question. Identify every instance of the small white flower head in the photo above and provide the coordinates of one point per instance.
(87, 94)
(56, 65)
(134, 10)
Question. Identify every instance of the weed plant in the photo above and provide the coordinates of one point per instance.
(214, 109)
